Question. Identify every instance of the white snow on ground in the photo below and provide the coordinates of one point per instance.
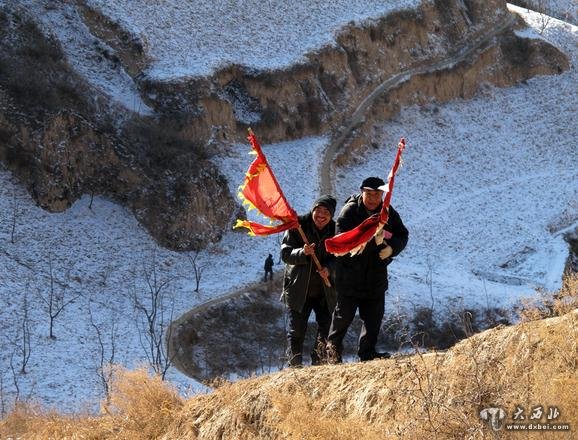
(487, 186)
(195, 38)
(80, 47)
(566, 10)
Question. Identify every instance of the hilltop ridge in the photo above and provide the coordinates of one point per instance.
(427, 395)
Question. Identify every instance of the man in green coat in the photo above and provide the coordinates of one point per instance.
(304, 290)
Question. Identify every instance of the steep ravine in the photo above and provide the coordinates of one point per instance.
(63, 138)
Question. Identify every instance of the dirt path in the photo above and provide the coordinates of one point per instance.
(326, 170)
(225, 297)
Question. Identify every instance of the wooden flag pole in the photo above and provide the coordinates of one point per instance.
(315, 259)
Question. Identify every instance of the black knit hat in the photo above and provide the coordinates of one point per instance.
(326, 201)
(372, 183)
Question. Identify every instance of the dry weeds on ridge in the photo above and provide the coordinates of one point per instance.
(436, 395)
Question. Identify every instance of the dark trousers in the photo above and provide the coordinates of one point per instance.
(371, 313)
(268, 272)
(297, 327)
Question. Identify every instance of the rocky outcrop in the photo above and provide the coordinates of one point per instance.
(59, 137)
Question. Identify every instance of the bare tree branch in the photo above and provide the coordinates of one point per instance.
(104, 368)
(54, 300)
(2, 398)
(14, 216)
(15, 378)
(197, 269)
(152, 320)
(23, 343)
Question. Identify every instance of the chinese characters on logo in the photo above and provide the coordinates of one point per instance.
(536, 413)
(536, 418)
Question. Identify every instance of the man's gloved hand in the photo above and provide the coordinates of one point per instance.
(309, 249)
(385, 252)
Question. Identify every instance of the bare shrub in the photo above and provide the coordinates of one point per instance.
(55, 299)
(197, 268)
(106, 352)
(22, 341)
(154, 312)
(145, 403)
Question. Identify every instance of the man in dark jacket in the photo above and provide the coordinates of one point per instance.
(268, 267)
(303, 286)
(361, 280)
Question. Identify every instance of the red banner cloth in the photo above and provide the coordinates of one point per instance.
(261, 191)
(353, 241)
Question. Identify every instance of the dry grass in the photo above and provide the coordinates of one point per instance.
(433, 396)
(140, 407)
(549, 304)
(437, 395)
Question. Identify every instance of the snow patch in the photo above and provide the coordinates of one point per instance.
(195, 39)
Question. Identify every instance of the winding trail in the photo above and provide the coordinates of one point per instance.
(199, 308)
(326, 167)
(326, 170)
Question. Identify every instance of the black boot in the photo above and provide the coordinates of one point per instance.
(374, 355)
(295, 354)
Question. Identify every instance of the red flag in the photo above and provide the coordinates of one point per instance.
(354, 241)
(261, 191)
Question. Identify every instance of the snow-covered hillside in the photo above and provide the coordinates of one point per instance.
(186, 39)
(566, 10)
(63, 20)
(487, 189)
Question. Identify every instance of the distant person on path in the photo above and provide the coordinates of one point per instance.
(269, 267)
(361, 280)
(303, 287)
